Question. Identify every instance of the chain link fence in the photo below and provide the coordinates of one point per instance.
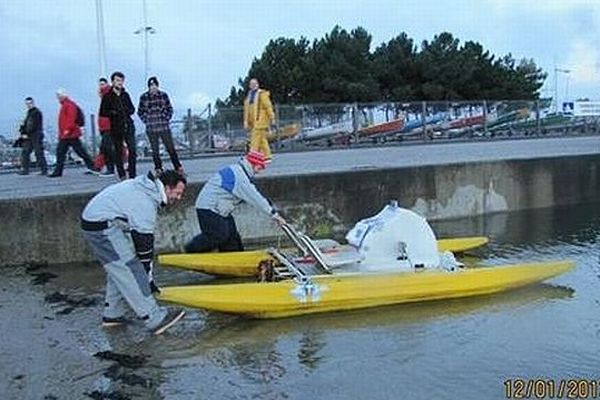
(330, 125)
(300, 127)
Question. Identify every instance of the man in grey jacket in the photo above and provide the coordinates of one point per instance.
(229, 187)
(131, 206)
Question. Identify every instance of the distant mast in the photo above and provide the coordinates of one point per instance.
(100, 34)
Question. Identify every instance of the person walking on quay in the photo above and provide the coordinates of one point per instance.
(107, 148)
(229, 187)
(69, 134)
(32, 138)
(131, 206)
(155, 111)
(117, 106)
(258, 117)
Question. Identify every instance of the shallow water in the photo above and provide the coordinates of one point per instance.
(459, 349)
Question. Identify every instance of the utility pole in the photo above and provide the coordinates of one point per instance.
(210, 135)
(556, 71)
(145, 30)
(101, 41)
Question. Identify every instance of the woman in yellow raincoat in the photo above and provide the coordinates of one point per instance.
(258, 116)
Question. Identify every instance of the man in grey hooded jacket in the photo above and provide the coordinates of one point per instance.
(229, 187)
(131, 207)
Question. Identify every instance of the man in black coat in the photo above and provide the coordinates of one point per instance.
(117, 106)
(32, 138)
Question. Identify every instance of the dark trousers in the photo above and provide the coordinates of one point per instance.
(107, 149)
(61, 154)
(35, 144)
(127, 137)
(217, 232)
(167, 139)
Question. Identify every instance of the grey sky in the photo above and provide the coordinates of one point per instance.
(202, 47)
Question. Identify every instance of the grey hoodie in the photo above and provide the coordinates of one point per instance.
(134, 201)
(229, 187)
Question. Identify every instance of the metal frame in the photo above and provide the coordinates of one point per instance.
(305, 244)
(294, 236)
(282, 258)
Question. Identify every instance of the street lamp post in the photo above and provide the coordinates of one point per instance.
(556, 71)
(101, 41)
(146, 30)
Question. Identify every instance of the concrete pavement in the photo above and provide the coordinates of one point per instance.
(74, 181)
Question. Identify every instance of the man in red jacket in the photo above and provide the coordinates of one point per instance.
(69, 133)
(107, 147)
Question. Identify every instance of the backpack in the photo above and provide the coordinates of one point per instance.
(80, 119)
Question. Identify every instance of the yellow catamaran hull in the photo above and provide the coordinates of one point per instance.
(358, 290)
(244, 263)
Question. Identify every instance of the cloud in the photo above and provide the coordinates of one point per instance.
(584, 62)
(197, 100)
(562, 5)
(201, 48)
(546, 6)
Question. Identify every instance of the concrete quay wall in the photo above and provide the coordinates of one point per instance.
(46, 229)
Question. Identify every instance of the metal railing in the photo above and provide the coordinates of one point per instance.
(323, 125)
(299, 127)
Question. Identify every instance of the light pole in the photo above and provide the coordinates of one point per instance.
(567, 87)
(146, 30)
(556, 71)
(100, 34)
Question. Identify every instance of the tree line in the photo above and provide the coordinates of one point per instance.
(341, 68)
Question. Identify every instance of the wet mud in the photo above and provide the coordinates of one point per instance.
(68, 303)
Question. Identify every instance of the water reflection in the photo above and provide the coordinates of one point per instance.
(311, 330)
(570, 224)
(261, 363)
(268, 359)
(310, 348)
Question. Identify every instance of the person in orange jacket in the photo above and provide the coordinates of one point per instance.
(258, 117)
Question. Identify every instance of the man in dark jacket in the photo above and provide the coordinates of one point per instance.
(32, 136)
(117, 106)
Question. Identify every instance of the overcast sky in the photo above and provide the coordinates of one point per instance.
(201, 47)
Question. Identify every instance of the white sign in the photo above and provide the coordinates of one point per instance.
(586, 108)
(307, 292)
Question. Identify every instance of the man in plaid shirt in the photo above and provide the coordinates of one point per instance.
(155, 111)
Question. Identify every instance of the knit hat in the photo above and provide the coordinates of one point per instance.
(153, 81)
(61, 92)
(256, 158)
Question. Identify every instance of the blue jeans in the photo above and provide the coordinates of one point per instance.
(167, 139)
(107, 148)
(35, 143)
(119, 138)
(61, 154)
(217, 232)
